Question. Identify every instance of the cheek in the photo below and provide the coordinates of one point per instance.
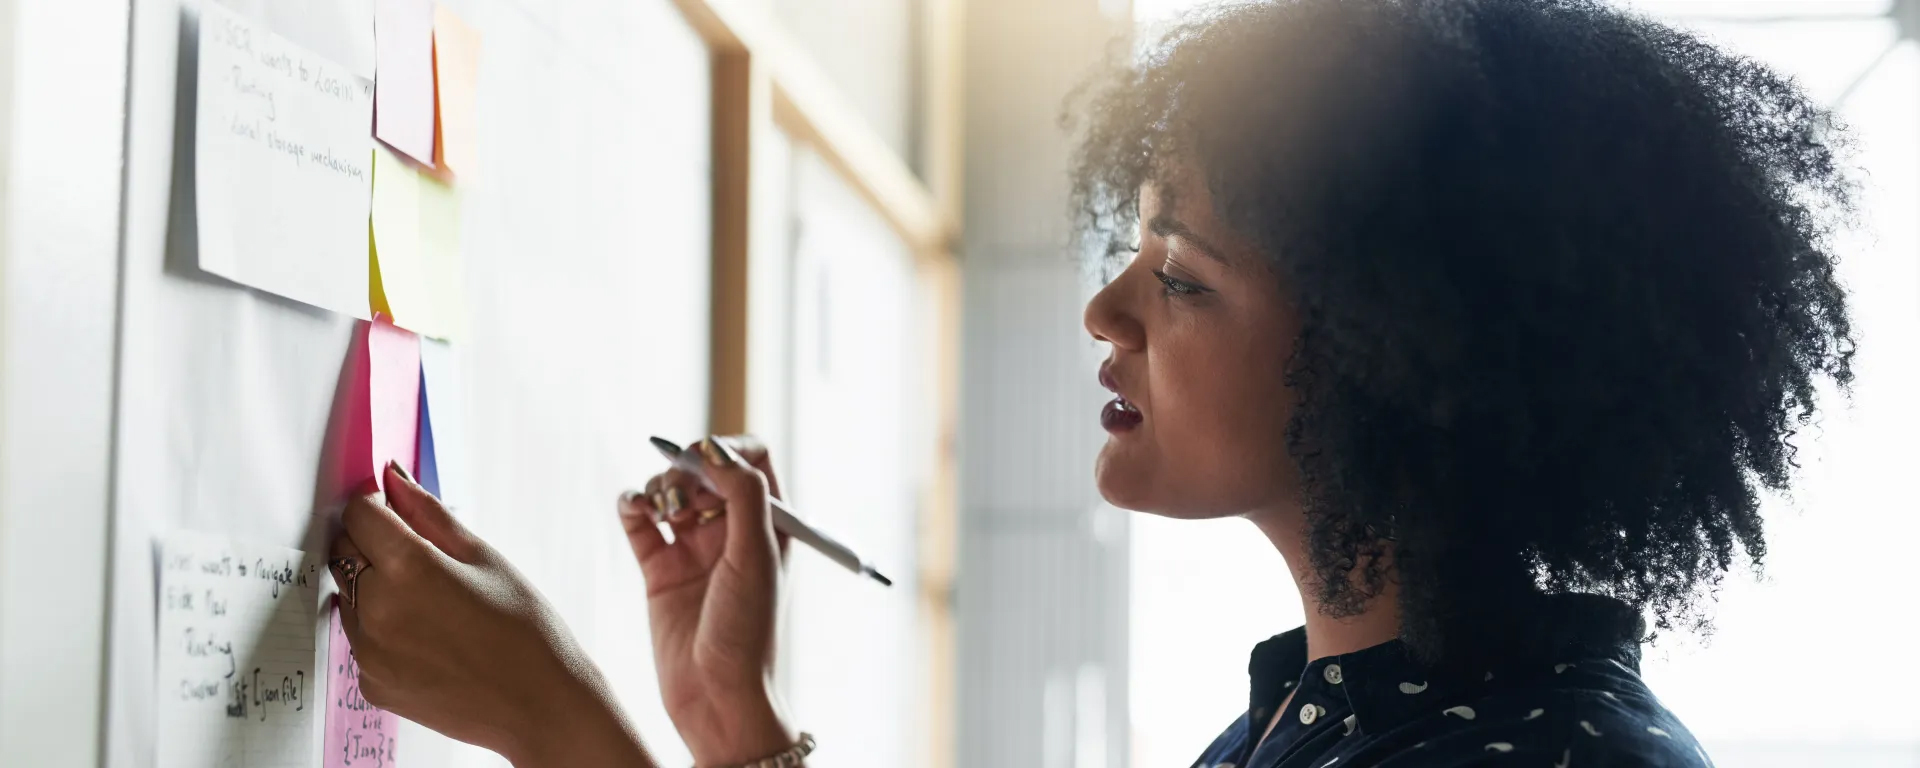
(1222, 415)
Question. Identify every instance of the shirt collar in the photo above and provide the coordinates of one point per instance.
(1385, 685)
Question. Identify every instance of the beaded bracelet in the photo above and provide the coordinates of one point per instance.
(787, 759)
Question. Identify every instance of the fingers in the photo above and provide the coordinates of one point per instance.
(755, 452)
(685, 499)
(638, 520)
(344, 560)
(428, 517)
(378, 531)
(343, 547)
(750, 537)
(681, 498)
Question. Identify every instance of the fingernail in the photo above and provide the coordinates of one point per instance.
(627, 507)
(718, 454)
(666, 503)
(399, 470)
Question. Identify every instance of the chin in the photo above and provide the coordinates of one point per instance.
(1122, 482)
(1131, 483)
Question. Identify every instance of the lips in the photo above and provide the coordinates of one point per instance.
(1119, 415)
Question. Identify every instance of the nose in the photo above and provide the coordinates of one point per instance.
(1109, 319)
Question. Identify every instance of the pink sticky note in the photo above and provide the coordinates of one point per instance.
(381, 417)
(403, 98)
(393, 395)
(359, 735)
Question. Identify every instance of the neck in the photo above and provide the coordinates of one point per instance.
(1379, 618)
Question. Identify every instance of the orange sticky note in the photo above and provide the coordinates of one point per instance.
(456, 67)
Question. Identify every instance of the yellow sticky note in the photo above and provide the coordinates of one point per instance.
(396, 240)
(376, 293)
(456, 66)
(440, 255)
(416, 240)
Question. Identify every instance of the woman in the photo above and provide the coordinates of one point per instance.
(1494, 316)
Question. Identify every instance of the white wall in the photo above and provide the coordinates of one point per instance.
(854, 651)
(62, 76)
(586, 240)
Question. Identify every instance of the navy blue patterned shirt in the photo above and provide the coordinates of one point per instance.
(1579, 703)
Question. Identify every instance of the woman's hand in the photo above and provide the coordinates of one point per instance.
(449, 635)
(712, 596)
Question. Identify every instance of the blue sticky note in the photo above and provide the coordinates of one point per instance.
(442, 444)
(429, 467)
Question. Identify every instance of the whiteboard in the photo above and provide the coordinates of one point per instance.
(586, 242)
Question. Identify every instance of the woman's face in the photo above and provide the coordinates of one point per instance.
(1199, 334)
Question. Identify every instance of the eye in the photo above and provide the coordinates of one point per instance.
(1178, 287)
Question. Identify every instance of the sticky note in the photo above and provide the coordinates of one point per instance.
(440, 253)
(358, 734)
(416, 240)
(443, 436)
(456, 69)
(281, 165)
(236, 682)
(400, 268)
(428, 473)
(380, 409)
(403, 79)
(393, 394)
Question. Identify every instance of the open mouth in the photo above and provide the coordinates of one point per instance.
(1120, 415)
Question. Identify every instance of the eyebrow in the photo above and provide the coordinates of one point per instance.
(1166, 226)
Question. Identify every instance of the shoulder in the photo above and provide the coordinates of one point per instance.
(1595, 718)
(1235, 739)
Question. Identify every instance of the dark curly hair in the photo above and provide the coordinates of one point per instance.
(1564, 276)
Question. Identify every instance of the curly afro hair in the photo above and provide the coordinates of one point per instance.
(1564, 275)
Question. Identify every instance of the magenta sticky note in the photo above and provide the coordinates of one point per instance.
(393, 395)
(359, 735)
(403, 97)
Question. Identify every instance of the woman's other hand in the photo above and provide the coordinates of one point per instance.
(449, 635)
(712, 597)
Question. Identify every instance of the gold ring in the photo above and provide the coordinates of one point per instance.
(350, 569)
(710, 515)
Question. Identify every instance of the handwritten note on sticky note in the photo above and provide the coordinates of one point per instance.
(403, 101)
(393, 395)
(456, 67)
(359, 735)
(416, 237)
(236, 654)
(281, 169)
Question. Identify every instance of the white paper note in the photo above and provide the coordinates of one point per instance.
(283, 165)
(341, 30)
(237, 683)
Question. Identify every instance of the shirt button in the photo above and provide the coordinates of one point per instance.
(1332, 673)
(1309, 713)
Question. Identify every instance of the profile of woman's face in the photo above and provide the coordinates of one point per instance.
(1199, 333)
